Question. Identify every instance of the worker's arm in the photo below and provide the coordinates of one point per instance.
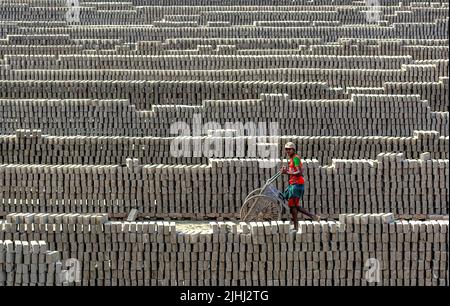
(298, 169)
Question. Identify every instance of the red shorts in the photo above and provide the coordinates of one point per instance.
(294, 202)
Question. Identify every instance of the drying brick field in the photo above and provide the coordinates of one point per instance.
(133, 131)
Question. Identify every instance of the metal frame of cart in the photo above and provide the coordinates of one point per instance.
(264, 204)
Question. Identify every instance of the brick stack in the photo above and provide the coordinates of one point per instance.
(31, 147)
(28, 263)
(391, 183)
(344, 252)
(362, 115)
(91, 107)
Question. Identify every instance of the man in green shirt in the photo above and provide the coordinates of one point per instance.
(296, 188)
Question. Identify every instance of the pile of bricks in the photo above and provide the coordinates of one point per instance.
(362, 115)
(93, 96)
(406, 52)
(391, 183)
(361, 249)
(31, 147)
(208, 63)
(418, 49)
(28, 263)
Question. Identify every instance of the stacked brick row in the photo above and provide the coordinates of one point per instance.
(409, 187)
(31, 147)
(204, 62)
(362, 249)
(368, 77)
(434, 92)
(144, 94)
(434, 30)
(362, 115)
(28, 263)
(416, 49)
(236, 14)
(432, 86)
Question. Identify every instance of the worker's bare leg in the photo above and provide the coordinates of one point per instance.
(305, 212)
(294, 214)
(293, 204)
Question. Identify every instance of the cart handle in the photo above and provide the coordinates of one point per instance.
(274, 178)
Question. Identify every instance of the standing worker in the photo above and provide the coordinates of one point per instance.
(296, 188)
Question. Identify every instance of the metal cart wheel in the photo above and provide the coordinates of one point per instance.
(260, 208)
(254, 192)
